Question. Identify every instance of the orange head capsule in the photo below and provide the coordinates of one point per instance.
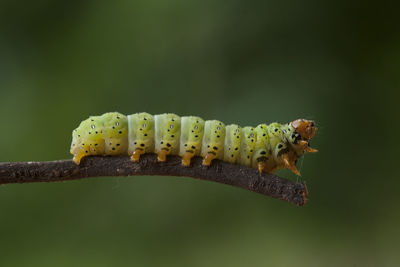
(305, 128)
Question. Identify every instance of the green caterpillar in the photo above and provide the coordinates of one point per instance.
(265, 147)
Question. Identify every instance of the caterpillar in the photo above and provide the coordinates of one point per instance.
(267, 147)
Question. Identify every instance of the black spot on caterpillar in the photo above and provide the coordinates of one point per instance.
(265, 147)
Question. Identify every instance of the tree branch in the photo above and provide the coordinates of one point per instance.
(221, 172)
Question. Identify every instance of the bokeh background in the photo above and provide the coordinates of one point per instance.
(245, 62)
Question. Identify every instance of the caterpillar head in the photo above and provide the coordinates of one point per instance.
(300, 134)
(306, 128)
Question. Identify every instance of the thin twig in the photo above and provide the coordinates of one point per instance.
(221, 172)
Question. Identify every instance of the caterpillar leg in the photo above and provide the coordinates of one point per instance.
(187, 156)
(78, 156)
(306, 148)
(290, 164)
(136, 155)
(261, 166)
(310, 149)
(162, 155)
(208, 158)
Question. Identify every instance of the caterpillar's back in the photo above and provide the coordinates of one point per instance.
(265, 147)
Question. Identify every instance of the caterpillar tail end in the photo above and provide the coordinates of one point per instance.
(208, 158)
(186, 159)
(162, 155)
(136, 155)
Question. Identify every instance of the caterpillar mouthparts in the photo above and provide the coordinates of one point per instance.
(265, 147)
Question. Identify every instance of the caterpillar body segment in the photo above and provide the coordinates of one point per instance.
(192, 129)
(265, 147)
(233, 134)
(275, 134)
(167, 134)
(262, 159)
(115, 133)
(94, 137)
(82, 141)
(247, 144)
(141, 134)
(213, 141)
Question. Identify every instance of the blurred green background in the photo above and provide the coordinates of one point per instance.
(245, 62)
